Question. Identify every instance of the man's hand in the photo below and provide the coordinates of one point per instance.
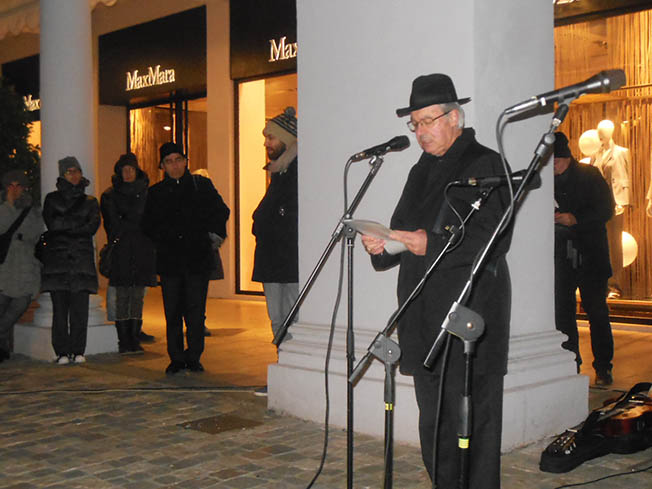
(416, 241)
(565, 219)
(373, 246)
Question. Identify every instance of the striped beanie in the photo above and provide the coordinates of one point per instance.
(283, 126)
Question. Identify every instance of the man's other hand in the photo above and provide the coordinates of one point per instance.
(565, 219)
(416, 241)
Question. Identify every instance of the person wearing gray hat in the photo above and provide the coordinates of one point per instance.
(20, 272)
(72, 218)
(583, 206)
(423, 219)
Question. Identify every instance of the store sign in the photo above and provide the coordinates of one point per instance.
(154, 61)
(32, 104)
(263, 36)
(153, 77)
(281, 51)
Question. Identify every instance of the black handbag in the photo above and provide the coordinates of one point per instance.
(41, 246)
(5, 238)
(106, 254)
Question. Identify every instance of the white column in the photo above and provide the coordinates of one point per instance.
(67, 129)
(66, 73)
(351, 80)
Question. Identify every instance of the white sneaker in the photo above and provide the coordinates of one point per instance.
(62, 360)
(79, 359)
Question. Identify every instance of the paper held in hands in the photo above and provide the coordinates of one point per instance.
(376, 230)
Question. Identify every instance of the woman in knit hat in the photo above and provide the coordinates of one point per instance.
(20, 273)
(133, 258)
(72, 219)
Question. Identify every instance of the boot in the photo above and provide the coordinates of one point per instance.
(124, 342)
(134, 325)
(142, 336)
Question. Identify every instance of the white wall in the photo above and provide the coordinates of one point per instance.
(356, 64)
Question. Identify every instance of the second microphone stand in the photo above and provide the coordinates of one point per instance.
(341, 229)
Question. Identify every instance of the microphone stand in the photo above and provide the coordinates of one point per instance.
(375, 163)
(388, 352)
(467, 324)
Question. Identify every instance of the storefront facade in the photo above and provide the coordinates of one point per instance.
(591, 37)
(170, 71)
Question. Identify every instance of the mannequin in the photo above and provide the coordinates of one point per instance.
(613, 161)
(589, 144)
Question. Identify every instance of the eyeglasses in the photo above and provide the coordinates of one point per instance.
(72, 171)
(425, 122)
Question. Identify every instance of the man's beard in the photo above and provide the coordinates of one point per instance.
(275, 154)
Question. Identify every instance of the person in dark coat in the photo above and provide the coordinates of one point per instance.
(180, 212)
(584, 204)
(421, 221)
(275, 221)
(72, 219)
(133, 257)
(20, 273)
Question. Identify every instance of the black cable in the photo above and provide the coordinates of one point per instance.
(330, 342)
(130, 389)
(435, 433)
(578, 484)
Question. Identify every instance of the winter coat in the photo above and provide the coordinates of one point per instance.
(20, 274)
(178, 216)
(582, 191)
(133, 258)
(422, 206)
(275, 226)
(72, 218)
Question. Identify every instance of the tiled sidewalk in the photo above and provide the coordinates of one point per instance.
(99, 426)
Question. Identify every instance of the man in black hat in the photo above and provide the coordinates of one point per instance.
(180, 212)
(583, 205)
(423, 220)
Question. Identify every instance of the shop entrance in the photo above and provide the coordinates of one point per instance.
(183, 121)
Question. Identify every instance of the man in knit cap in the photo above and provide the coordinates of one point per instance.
(275, 226)
(583, 205)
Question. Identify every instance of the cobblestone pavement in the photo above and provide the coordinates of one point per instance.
(99, 425)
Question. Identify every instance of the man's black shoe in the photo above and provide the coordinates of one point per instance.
(604, 378)
(174, 368)
(195, 366)
(145, 338)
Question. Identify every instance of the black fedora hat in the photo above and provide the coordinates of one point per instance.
(431, 90)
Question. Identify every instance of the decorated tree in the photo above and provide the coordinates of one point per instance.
(16, 153)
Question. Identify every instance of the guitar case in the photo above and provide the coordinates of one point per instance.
(623, 425)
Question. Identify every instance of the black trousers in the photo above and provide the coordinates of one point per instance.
(484, 451)
(184, 297)
(69, 322)
(593, 291)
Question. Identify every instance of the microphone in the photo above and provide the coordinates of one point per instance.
(603, 82)
(497, 180)
(399, 143)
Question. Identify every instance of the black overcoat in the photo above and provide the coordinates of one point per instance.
(275, 226)
(133, 260)
(72, 219)
(582, 191)
(178, 216)
(422, 206)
